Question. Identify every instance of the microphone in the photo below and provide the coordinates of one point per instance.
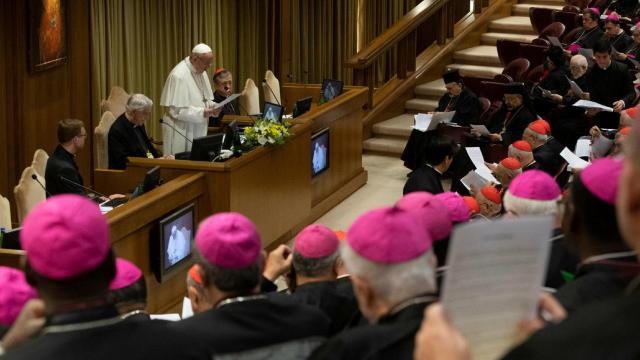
(175, 130)
(81, 186)
(264, 82)
(35, 177)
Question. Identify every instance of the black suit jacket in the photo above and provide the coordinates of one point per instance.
(126, 140)
(426, 179)
(466, 105)
(610, 85)
(548, 158)
(519, 121)
(61, 163)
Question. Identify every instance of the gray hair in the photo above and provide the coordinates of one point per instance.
(393, 283)
(314, 267)
(138, 102)
(241, 280)
(580, 60)
(524, 207)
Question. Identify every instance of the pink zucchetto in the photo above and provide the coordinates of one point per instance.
(456, 206)
(574, 47)
(127, 273)
(429, 210)
(14, 293)
(601, 179)
(388, 236)
(65, 236)
(228, 240)
(316, 241)
(533, 192)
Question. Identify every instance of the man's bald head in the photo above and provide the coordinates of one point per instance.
(578, 65)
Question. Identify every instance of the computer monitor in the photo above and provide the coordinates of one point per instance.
(171, 249)
(11, 239)
(206, 148)
(231, 136)
(151, 181)
(302, 106)
(272, 112)
(330, 89)
(320, 152)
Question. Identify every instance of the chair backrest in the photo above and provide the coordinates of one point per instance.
(271, 88)
(473, 83)
(555, 29)
(486, 104)
(508, 50)
(568, 18)
(101, 140)
(536, 54)
(5, 213)
(250, 99)
(580, 4)
(540, 18)
(568, 36)
(116, 102)
(571, 8)
(494, 153)
(541, 42)
(517, 69)
(494, 91)
(39, 163)
(535, 74)
(28, 193)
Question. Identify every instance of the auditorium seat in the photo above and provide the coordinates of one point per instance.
(555, 29)
(271, 88)
(39, 163)
(116, 102)
(250, 99)
(101, 140)
(5, 213)
(535, 74)
(569, 35)
(28, 193)
(492, 90)
(536, 54)
(540, 18)
(569, 19)
(515, 71)
(508, 50)
(494, 153)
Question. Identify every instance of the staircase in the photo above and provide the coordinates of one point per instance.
(390, 136)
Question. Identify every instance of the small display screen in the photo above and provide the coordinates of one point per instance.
(320, 152)
(178, 233)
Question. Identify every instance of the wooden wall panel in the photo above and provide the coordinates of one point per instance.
(35, 102)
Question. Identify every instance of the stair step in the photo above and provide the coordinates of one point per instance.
(386, 145)
(490, 38)
(487, 72)
(396, 126)
(421, 105)
(544, 2)
(523, 9)
(478, 55)
(512, 24)
(433, 89)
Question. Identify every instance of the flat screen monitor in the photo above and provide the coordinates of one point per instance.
(231, 136)
(330, 89)
(206, 148)
(11, 239)
(272, 112)
(151, 181)
(320, 153)
(302, 106)
(172, 249)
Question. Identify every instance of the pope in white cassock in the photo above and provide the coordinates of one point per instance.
(188, 100)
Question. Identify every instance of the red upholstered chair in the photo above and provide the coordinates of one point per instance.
(536, 54)
(508, 50)
(568, 36)
(517, 69)
(541, 42)
(555, 29)
(494, 91)
(540, 18)
(571, 8)
(473, 83)
(569, 19)
(534, 75)
(486, 106)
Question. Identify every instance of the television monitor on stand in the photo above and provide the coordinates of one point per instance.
(151, 181)
(320, 152)
(172, 245)
(272, 112)
(206, 148)
(302, 106)
(231, 137)
(330, 89)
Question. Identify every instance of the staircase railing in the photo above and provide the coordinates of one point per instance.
(429, 21)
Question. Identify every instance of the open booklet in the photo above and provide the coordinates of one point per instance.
(428, 122)
(588, 104)
(494, 278)
(229, 99)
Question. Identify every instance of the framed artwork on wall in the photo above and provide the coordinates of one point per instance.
(47, 34)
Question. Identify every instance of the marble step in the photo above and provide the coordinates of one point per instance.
(523, 9)
(433, 89)
(490, 38)
(478, 55)
(487, 72)
(396, 126)
(512, 24)
(420, 105)
(385, 145)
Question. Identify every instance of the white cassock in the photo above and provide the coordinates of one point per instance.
(184, 96)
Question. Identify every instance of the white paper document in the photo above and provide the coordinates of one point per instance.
(478, 161)
(601, 146)
(583, 147)
(473, 181)
(422, 122)
(481, 129)
(229, 99)
(443, 116)
(588, 104)
(577, 91)
(167, 317)
(187, 310)
(573, 160)
(496, 271)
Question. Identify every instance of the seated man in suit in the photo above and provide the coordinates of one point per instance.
(61, 173)
(508, 123)
(438, 153)
(128, 137)
(222, 88)
(553, 82)
(591, 31)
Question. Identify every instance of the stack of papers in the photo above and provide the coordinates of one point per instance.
(583, 147)
(495, 273)
(478, 161)
(573, 160)
(587, 104)
(601, 146)
(428, 122)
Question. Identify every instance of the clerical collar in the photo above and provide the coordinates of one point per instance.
(413, 301)
(239, 299)
(436, 170)
(82, 320)
(608, 256)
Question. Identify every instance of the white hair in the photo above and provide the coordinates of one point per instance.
(522, 207)
(393, 283)
(525, 157)
(579, 60)
(537, 135)
(138, 102)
